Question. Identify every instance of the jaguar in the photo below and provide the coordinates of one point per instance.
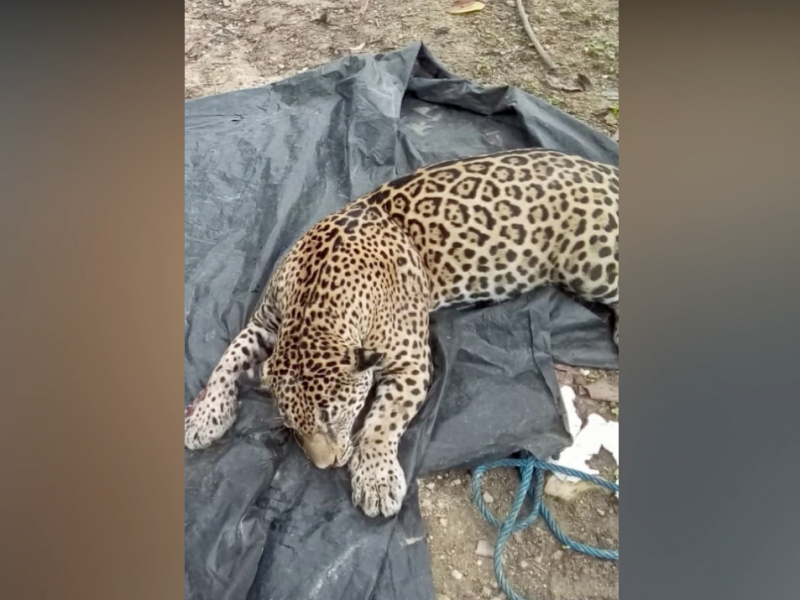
(346, 310)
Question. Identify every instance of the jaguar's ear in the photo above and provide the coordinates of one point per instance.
(257, 378)
(364, 359)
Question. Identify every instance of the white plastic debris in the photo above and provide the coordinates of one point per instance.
(598, 433)
(573, 418)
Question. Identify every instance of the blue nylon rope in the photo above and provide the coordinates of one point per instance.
(530, 468)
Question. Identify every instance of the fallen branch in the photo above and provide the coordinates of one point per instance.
(526, 24)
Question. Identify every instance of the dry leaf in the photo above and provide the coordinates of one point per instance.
(602, 390)
(195, 48)
(559, 84)
(581, 83)
(460, 7)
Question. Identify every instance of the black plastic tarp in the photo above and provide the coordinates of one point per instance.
(261, 166)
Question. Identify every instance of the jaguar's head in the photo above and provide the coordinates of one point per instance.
(319, 394)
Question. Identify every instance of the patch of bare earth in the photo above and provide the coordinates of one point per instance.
(536, 564)
(236, 44)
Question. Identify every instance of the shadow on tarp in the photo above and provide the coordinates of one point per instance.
(263, 165)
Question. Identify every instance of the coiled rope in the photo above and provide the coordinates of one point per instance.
(530, 467)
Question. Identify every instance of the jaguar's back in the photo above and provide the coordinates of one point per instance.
(492, 227)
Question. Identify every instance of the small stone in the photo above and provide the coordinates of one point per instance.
(442, 597)
(438, 477)
(457, 575)
(487, 497)
(426, 504)
(524, 564)
(566, 490)
(430, 486)
(486, 592)
(517, 537)
(601, 512)
(479, 562)
(443, 522)
(484, 549)
(456, 482)
(558, 554)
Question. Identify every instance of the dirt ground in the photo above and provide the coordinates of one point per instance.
(235, 44)
(536, 565)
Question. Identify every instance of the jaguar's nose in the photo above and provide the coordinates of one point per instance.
(320, 451)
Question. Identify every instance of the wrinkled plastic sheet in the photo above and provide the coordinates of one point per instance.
(261, 166)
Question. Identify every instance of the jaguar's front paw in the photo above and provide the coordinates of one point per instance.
(379, 484)
(209, 416)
